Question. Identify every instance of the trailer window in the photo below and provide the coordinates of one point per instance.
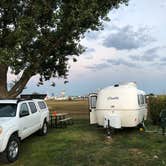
(144, 99)
(141, 99)
(93, 101)
(138, 97)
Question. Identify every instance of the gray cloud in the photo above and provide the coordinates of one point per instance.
(159, 64)
(148, 56)
(117, 62)
(88, 53)
(114, 62)
(126, 38)
(163, 59)
(99, 66)
(152, 50)
(163, 4)
(92, 35)
(89, 50)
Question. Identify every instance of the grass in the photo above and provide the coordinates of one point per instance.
(78, 109)
(85, 145)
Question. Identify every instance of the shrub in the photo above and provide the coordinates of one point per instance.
(156, 104)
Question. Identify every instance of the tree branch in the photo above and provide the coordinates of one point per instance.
(19, 86)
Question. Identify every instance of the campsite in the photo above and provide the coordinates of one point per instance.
(82, 83)
(83, 144)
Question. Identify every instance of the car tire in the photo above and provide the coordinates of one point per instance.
(11, 152)
(44, 129)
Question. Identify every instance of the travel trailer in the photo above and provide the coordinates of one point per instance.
(118, 106)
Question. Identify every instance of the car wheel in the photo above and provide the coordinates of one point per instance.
(44, 129)
(11, 152)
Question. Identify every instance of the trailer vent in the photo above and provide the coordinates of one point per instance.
(116, 85)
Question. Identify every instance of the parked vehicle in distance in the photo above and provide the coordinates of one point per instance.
(118, 106)
(18, 120)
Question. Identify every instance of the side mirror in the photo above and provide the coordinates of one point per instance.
(24, 113)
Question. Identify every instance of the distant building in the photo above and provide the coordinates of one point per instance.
(61, 98)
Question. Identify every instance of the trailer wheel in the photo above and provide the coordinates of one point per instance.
(109, 132)
(141, 126)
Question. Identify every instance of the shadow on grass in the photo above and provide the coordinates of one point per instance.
(86, 145)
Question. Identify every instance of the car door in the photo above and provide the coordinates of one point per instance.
(35, 116)
(24, 121)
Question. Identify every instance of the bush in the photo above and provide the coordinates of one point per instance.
(156, 104)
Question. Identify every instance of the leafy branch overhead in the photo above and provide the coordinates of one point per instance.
(40, 36)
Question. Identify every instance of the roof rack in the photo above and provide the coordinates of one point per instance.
(21, 99)
(9, 98)
(24, 97)
(17, 99)
(32, 96)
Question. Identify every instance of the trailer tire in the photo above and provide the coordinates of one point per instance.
(141, 126)
(110, 131)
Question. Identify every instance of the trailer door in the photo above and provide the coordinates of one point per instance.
(92, 108)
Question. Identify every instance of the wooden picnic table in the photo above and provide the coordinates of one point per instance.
(59, 118)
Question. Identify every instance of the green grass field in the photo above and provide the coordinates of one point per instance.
(85, 145)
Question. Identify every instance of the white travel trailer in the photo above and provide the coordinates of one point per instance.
(118, 106)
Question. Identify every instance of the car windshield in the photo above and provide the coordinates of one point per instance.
(8, 110)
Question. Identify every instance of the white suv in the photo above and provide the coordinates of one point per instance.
(18, 120)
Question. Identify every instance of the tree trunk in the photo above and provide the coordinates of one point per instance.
(17, 88)
(3, 81)
(20, 85)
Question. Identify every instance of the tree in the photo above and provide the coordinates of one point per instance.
(40, 36)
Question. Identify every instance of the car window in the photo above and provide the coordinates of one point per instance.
(32, 107)
(8, 110)
(42, 105)
(24, 109)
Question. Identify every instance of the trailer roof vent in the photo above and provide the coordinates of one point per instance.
(116, 85)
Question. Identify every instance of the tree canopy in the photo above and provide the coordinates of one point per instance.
(40, 36)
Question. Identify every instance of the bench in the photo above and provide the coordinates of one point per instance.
(64, 122)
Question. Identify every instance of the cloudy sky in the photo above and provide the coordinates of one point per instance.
(132, 47)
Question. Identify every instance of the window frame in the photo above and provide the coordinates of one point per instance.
(91, 104)
(21, 109)
(32, 109)
(141, 99)
(11, 109)
(42, 105)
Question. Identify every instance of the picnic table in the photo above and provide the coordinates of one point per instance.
(60, 119)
